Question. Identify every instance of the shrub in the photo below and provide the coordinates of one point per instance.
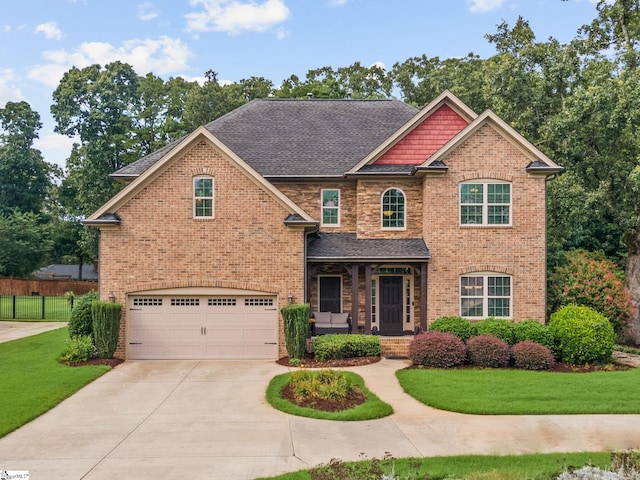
(437, 349)
(296, 328)
(590, 280)
(488, 351)
(534, 331)
(106, 327)
(81, 321)
(530, 355)
(77, 349)
(503, 329)
(321, 384)
(582, 335)
(460, 327)
(335, 346)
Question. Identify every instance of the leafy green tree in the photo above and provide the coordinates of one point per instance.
(25, 178)
(24, 243)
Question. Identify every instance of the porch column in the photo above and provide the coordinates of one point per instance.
(367, 299)
(423, 296)
(355, 307)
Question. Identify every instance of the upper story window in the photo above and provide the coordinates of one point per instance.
(485, 295)
(203, 197)
(331, 207)
(485, 203)
(393, 209)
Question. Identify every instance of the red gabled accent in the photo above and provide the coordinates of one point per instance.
(426, 139)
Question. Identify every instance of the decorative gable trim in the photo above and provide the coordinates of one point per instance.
(543, 163)
(445, 98)
(197, 136)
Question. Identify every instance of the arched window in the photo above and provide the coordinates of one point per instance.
(203, 197)
(393, 209)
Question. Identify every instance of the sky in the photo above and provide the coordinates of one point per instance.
(42, 39)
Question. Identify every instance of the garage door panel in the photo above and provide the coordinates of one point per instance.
(175, 327)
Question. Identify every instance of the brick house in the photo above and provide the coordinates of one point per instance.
(394, 215)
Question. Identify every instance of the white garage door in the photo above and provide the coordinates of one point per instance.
(202, 327)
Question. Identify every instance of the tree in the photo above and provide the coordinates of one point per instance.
(24, 176)
(24, 243)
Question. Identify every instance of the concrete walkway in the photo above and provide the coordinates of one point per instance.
(209, 420)
(14, 330)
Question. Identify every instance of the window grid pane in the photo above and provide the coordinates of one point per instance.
(330, 207)
(498, 307)
(393, 209)
(472, 193)
(499, 193)
(470, 215)
(472, 307)
(495, 298)
(203, 197)
(485, 204)
(498, 215)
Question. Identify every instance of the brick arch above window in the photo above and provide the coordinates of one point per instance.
(506, 177)
(202, 171)
(486, 267)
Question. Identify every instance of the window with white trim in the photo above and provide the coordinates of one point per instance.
(203, 197)
(330, 207)
(485, 295)
(393, 209)
(485, 202)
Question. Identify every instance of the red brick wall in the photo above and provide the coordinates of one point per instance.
(518, 250)
(160, 245)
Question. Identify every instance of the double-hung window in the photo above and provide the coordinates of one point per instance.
(203, 197)
(485, 295)
(393, 209)
(331, 207)
(485, 203)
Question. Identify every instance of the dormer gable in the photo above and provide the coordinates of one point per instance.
(425, 139)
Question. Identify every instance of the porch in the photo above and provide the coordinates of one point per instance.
(381, 283)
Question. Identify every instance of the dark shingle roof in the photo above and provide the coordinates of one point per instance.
(293, 137)
(347, 247)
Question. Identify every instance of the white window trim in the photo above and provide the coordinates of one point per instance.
(194, 198)
(485, 294)
(485, 204)
(406, 208)
(322, 207)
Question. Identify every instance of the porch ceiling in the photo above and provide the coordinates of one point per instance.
(346, 247)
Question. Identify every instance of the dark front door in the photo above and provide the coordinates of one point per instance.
(330, 294)
(391, 306)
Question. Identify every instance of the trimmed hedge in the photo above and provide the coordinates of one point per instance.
(534, 331)
(460, 327)
(530, 355)
(81, 319)
(344, 345)
(488, 351)
(296, 327)
(503, 329)
(437, 349)
(106, 327)
(582, 335)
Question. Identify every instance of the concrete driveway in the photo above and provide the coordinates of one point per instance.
(14, 330)
(209, 420)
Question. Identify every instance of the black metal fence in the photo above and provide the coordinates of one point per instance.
(35, 307)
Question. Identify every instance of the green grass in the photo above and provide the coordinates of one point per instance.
(372, 408)
(476, 467)
(32, 380)
(30, 308)
(522, 392)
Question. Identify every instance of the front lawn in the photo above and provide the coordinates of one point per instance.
(32, 381)
(471, 467)
(524, 392)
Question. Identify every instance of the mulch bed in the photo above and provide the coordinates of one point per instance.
(309, 362)
(112, 362)
(353, 399)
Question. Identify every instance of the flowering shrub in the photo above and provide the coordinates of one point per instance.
(503, 329)
(323, 384)
(592, 281)
(582, 335)
(437, 349)
(530, 355)
(488, 351)
(534, 331)
(460, 327)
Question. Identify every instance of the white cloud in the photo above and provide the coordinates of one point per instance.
(146, 12)
(484, 6)
(233, 16)
(50, 30)
(161, 56)
(8, 91)
(337, 3)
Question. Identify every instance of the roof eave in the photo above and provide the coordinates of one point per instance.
(369, 259)
(544, 170)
